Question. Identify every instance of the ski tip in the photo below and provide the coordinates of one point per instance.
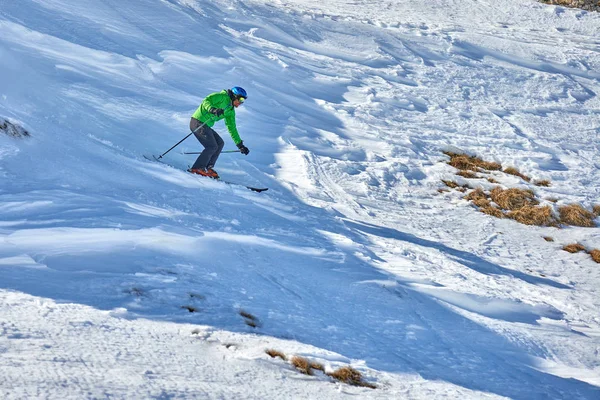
(151, 157)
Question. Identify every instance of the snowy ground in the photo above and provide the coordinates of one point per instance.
(352, 257)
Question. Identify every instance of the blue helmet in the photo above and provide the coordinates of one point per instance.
(239, 92)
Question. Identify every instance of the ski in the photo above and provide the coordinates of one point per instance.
(152, 157)
(254, 189)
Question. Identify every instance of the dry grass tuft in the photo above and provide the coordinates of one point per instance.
(521, 205)
(471, 163)
(247, 315)
(302, 365)
(574, 248)
(517, 204)
(467, 174)
(276, 353)
(548, 239)
(347, 375)
(482, 203)
(515, 172)
(513, 199)
(191, 309)
(595, 255)
(543, 182)
(477, 194)
(574, 214)
(252, 323)
(490, 166)
(317, 366)
(350, 376)
(479, 198)
(493, 211)
(589, 5)
(250, 319)
(461, 161)
(531, 215)
(450, 184)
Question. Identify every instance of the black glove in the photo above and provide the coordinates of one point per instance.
(216, 111)
(243, 149)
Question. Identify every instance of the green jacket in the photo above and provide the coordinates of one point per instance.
(219, 100)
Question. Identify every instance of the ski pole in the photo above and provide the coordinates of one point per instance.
(190, 134)
(226, 151)
(178, 143)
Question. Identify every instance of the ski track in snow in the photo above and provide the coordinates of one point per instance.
(352, 257)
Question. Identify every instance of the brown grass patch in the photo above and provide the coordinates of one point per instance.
(477, 194)
(589, 5)
(247, 315)
(276, 353)
(595, 255)
(531, 215)
(521, 205)
(471, 163)
(515, 172)
(596, 210)
(317, 366)
(350, 376)
(543, 182)
(302, 365)
(450, 184)
(479, 198)
(251, 323)
(574, 214)
(482, 203)
(574, 248)
(492, 180)
(493, 211)
(548, 239)
(467, 174)
(250, 319)
(513, 199)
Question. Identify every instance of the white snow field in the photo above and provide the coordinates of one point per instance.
(123, 278)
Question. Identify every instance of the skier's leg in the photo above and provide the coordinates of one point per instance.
(205, 136)
(215, 156)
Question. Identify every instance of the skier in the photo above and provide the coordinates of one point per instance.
(215, 107)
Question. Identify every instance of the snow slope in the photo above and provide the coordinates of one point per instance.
(352, 257)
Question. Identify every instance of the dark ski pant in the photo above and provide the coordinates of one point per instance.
(212, 142)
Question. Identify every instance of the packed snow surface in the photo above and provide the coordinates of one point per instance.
(125, 278)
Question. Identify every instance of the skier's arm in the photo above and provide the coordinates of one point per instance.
(231, 127)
